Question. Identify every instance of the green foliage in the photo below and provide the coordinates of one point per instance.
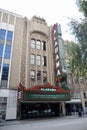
(79, 30)
(76, 60)
(82, 5)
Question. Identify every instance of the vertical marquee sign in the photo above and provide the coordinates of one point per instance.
(59, 64)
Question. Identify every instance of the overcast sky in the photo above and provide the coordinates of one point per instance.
(53, 11)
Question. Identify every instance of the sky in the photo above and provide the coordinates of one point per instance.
(53, 11)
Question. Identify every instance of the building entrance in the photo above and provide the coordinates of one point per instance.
(38, 110)
(41, 101)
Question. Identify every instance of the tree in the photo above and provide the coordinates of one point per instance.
(79, 30)
(76, 60)
(82, 5)
(76, 63)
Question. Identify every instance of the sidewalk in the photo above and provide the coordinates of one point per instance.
(15, 122)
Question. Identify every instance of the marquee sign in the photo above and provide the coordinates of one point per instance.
(48, 89)
(43, 92)
(63, 96)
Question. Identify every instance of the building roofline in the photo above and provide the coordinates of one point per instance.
(10, 13)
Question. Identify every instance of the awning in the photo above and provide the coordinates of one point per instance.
(74, 101)
(47, 88)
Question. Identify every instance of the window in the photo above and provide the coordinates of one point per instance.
(1, 50)
(7, 52)
(38, 75)
(44, 77)
(38, 60)
(81, 81)
(84, 94)
(44, 45)
(32, 75)
(32, 58)
(32, 43)
(38, 44)
(2, 34)
(76, 81)
(9, 36)
(44, 63)
(75, 95)
(5, 71)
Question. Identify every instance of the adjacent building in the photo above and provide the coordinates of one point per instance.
(78, 87)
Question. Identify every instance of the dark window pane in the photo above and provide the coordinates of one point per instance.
(5, 72)
(1, 49)
(44, 45)
(2, 34)
(84, 95)
(44, 61)
(38, 75)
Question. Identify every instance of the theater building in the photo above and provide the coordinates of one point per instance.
(32, 68)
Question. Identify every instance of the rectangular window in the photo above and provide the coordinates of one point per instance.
(84, 94)
(7, 52)
(44, 62)
(43, 45)
(32, 43)
(38, 43)
(9, 36)
(44, 77)
(2, 34)
(1, 50)
(81, 81)
(38, 61)
(76, 81)
(32, 75)
(5, 71)
(75, 95)
(32, 59)
(38, 75)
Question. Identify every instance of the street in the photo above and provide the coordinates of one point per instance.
(49, 124)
